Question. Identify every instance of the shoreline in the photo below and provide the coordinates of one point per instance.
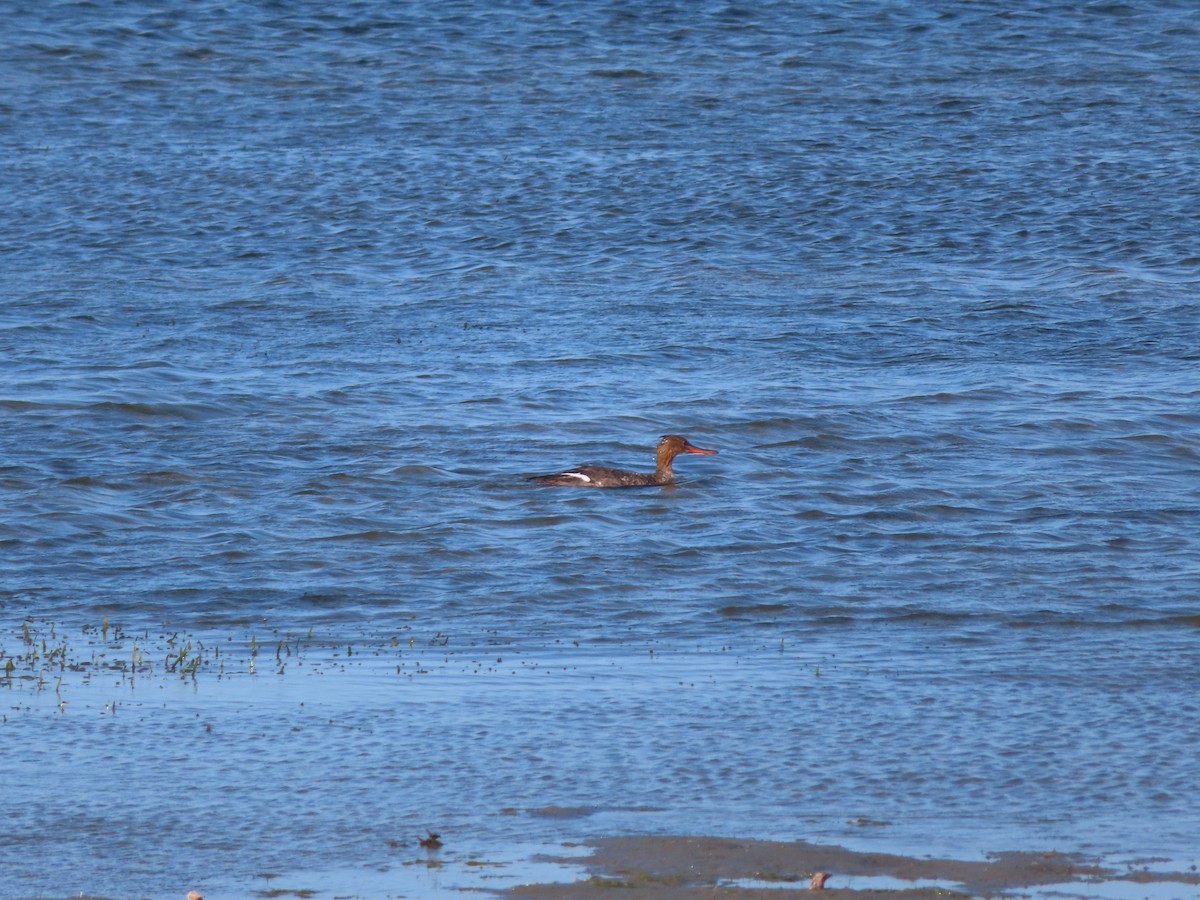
(681, 867)
(238, 696)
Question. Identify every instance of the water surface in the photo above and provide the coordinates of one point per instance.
(295, 298)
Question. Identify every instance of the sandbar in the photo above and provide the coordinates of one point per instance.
(658, 867)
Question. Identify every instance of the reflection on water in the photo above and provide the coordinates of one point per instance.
(350, 752)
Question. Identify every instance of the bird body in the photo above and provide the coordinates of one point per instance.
(669, 446)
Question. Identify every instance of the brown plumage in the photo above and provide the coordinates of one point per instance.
(669, 446)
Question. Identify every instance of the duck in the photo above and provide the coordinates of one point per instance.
(669, 446)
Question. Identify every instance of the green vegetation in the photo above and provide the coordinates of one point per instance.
(37, 655)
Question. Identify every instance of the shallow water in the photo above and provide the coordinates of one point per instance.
(295, 299)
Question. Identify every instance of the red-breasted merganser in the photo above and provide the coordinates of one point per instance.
(669, 446)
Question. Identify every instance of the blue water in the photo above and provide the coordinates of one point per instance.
(294, 298)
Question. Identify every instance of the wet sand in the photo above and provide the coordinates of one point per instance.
(683, 867)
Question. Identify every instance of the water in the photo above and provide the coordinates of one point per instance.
(294, 298)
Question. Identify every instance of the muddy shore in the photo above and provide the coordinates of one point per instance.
(684, 867)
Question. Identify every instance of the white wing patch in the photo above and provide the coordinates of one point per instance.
(578, 475)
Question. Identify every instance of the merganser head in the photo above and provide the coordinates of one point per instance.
(670, 445)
